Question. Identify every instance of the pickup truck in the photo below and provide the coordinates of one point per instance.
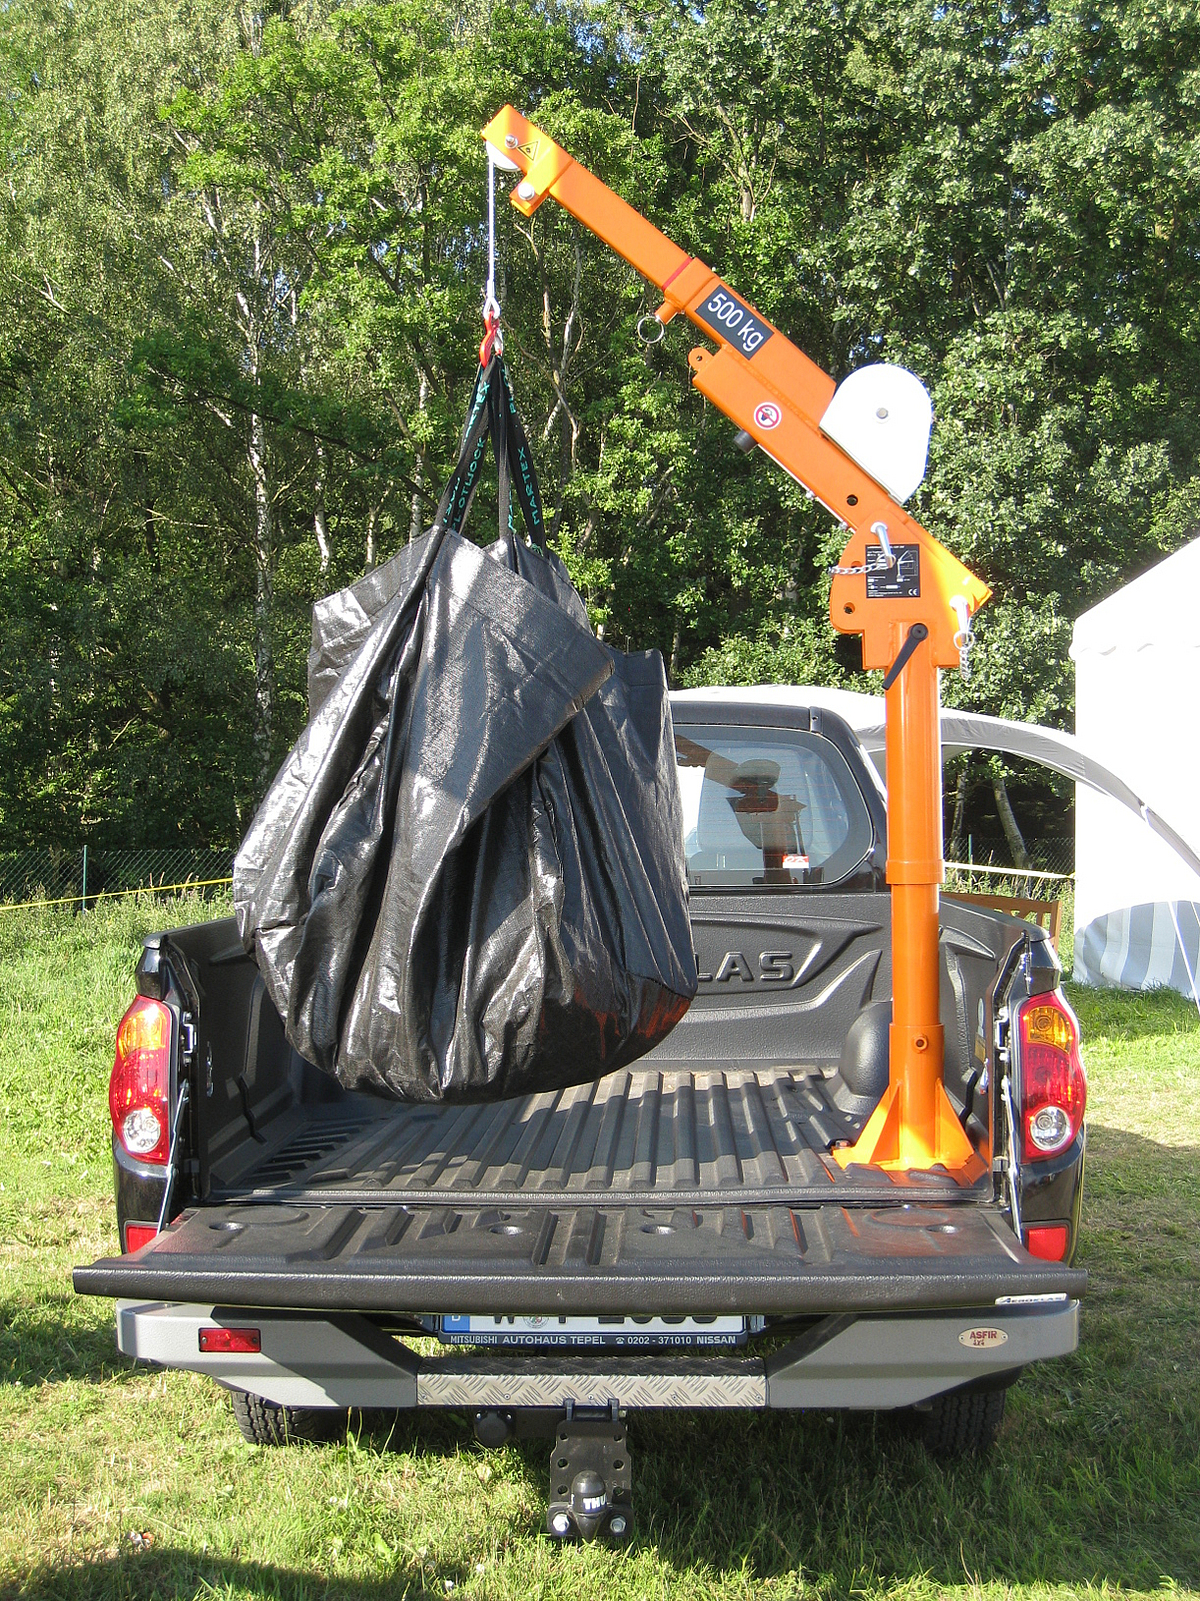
(677, 1234)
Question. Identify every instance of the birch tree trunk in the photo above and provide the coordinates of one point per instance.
(264, 664)
(414, 522)
(1008, 821)
(320, 522)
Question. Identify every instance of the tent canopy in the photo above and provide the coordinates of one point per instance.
(963, 731)
(1137, 655)
(1156, 610)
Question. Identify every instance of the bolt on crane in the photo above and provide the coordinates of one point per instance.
(859, 449)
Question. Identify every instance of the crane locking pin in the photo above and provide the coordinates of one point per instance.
(964, 638)
(880, 530)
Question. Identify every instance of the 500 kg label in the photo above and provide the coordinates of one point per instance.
(733, 320)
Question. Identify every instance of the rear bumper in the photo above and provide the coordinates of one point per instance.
(344, 1360)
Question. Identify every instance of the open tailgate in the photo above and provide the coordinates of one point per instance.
(595, 1258)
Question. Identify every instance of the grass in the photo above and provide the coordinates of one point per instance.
(1094, 1485)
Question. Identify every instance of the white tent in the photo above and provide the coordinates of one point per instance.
(1137, 676)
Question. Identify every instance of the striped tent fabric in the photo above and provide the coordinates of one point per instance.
(1141, 947)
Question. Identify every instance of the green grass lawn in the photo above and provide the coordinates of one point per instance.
(1094, 1484)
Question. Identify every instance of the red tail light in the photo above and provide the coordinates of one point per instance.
(140, 1085)
(1049, 1241)
(1053, 1083)
(230, 1340)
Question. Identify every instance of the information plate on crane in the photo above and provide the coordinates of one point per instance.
(733, 320)
(899, 582)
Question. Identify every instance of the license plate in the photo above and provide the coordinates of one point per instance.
(477, 1328)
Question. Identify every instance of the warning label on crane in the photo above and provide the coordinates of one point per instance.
(901, 581)
(733, 320)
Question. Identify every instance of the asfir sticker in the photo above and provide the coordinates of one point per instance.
(982, 1339)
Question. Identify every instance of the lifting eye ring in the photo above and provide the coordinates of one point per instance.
(651, 339)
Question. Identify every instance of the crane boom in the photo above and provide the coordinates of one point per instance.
(911, 624)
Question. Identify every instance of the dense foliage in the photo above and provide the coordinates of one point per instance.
(242, 253)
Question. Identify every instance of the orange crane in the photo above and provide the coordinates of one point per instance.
(895, 585)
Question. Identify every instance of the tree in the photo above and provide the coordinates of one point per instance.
(108, 699)
(242, 332)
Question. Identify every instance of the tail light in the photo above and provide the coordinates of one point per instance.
(1049, 1241)
(1053, 1083)
(139, 1089)
(230, 1340)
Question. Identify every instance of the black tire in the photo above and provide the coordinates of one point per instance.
(265, 1422)
(962, 1423)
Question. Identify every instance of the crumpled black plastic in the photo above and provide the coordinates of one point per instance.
(467, 879)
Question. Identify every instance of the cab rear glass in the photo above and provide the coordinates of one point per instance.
(768, 806)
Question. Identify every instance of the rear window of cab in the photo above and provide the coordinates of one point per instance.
(768, 806)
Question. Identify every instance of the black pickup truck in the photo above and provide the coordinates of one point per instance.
(674, 1235)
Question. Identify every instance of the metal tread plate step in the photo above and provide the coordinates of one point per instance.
(604, 1256)
(530, 1380)
(636, 1134)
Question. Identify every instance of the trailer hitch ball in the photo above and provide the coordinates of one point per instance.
(589, 1502)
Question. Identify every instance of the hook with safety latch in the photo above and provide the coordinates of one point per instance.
(493, 339)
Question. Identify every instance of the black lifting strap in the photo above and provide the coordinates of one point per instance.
(493, 412)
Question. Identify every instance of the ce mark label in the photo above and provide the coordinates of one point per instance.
(733, 320)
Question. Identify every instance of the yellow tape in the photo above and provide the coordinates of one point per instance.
(116, 894)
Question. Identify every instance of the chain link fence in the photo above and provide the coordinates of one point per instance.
(79, 878)
(1050, 869)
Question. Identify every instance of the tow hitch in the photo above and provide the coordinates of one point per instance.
(590, 1490)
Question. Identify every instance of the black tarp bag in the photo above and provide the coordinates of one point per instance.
(467, 879)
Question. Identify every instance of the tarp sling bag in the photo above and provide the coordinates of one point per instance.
(467, 879)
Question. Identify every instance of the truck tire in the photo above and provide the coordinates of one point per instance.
(962, 1423)
(265, 1422)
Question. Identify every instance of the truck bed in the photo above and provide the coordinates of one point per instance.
(665, 1191)
(642, 1136)
(693, 1185)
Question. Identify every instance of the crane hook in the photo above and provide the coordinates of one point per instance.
(493, 339)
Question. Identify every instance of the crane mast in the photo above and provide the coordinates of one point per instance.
(908, 598)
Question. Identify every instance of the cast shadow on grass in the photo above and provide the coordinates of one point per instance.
(861, 1510)
(39, 1347)
(168, 1574)
(1136, 1194)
